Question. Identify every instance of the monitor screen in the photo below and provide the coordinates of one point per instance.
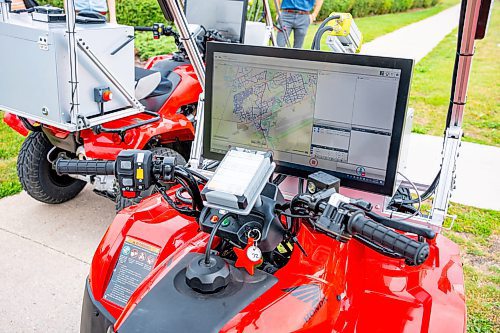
(339, 113)
(226, 16)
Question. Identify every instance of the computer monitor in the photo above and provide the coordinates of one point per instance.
(340, 113)
(226, 16)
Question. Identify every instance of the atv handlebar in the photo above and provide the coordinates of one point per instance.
(414, 252)
(149, 29)
(84, 167)
(339, 217)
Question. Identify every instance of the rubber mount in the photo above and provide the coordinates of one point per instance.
(207, 278)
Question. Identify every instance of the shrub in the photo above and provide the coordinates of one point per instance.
(147, 12)
(372, 7)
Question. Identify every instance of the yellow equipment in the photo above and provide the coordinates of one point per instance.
(343, 34)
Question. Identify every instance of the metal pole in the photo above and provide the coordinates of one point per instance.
(73, 60)
(4, 8)
(191, 48)
(269, 22)
(197, 146)
(453, 134)
(280, 22)
(172, 8)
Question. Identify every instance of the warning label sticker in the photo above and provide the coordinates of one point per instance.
(137, 259)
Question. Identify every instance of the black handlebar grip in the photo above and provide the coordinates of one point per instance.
(414, 252)
(144, 29)
(84, 167)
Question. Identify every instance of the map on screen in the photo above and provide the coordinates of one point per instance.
(266, 109)
(313, 114)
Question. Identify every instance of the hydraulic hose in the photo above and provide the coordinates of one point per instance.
(317, 37)
(84, 167)
(321, 26)
(414, 252)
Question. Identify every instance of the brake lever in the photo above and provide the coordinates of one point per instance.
(402, 226)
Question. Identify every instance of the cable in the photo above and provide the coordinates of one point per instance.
(209, 165)
(279, 179)
(298, 216)
(317, 37)
(181, 172)
(301, 186)
(181, 198)
(212, 236)
(199, 176)
(419, 200)
(321, 26)
(427, 194)
(184, 211)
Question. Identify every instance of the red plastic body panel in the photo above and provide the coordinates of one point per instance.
(172, 127)
(356, 289)
(15, 123)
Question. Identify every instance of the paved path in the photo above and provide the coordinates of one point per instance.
(477, 170)
(45, 254)
(414, 41)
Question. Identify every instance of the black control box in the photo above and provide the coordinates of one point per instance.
(320, 180)
(133, 171)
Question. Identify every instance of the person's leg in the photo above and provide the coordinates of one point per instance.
(300, 30)
(287, 24)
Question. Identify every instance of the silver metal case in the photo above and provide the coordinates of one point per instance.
(35, 71)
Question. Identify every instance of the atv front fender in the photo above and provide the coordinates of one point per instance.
(95, 317)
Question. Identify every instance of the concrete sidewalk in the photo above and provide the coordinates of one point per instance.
(46, 251)
(477, 169)
(416, 40)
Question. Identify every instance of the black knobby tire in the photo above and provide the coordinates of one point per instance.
(37, 176)
(122, 202)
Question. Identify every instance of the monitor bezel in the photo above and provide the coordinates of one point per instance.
(405, 65)
(243, 17)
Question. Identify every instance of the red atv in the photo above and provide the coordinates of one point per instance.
(166, 128)
(321, 262)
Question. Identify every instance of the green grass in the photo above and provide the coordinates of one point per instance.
(10, 142)
(432, 83)
(376, 26)
(477, 232)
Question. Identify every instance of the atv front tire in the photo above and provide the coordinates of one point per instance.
(122, 202)
(37, 176)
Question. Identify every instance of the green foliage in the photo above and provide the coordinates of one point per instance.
(139, 13)
(10, 142)
(359, 8)
(148, 47)
(147, 12)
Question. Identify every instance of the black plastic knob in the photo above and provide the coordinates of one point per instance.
(207, 278)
